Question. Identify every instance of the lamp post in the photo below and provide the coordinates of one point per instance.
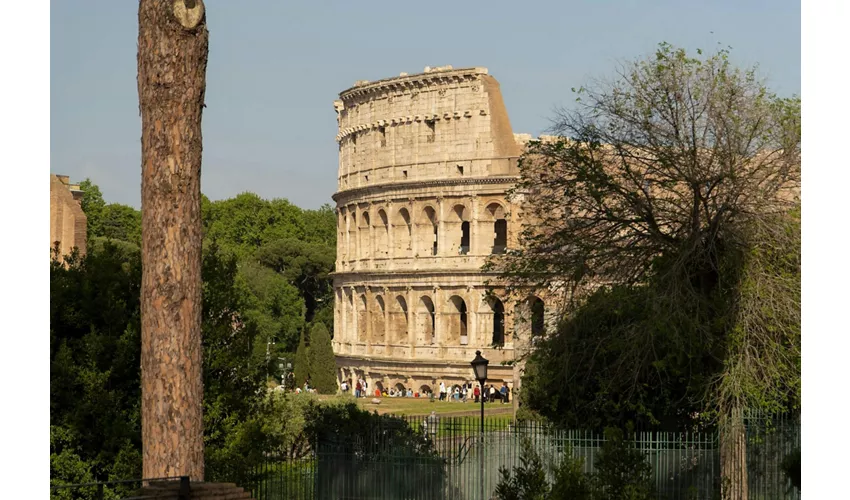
(479, 368)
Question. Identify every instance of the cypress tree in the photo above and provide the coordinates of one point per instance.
(302, 362)
(322, 362)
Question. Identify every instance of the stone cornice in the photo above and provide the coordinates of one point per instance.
(343, 197)
(438, 76)
(368, 275)
(407, 120)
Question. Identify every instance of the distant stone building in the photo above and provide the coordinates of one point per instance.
(67, 220)
(425, 162)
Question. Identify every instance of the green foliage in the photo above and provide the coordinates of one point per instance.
(273, 305)
(321, 359)
(661, 210)
(301, 366)
(92, 204)
(95, 368)
(527, 481)
(121, 222)
(362, 448)
(622, 471)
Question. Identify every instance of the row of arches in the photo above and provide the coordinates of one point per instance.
(402, 235)
(390, 320)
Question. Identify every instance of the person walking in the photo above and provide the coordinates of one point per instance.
(442, 391)
(476, 393)
(504, 392)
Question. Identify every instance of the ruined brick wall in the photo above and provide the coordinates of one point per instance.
(67, 220)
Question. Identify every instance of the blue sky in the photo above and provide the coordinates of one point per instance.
(275, 68)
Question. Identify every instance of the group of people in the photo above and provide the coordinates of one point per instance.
(460, 393)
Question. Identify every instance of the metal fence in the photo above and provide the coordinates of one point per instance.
(454, 460)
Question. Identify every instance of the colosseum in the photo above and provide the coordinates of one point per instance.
(425, 162)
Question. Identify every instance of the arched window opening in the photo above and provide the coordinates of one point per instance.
(538, 324)
(496, 213)
(352, 238)
(426, 229)
(365, 240)
(382, 236)
(457, 322)
(457, 230)
(378, 326)
(426, 321)
(498, 323)
(398, 321)
(402, 234)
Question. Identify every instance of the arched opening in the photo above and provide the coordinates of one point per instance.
(365, 240)
(378, 326)
(398, 321)
(427, 232)
(425, 390)
(457, 230)
(382, 235)
(379, 386)
(400, 387)
(498, 323)
(456, 331)
(343, 239)
(426, 321)
(362, 318)
(538, 322)
(500, 228)
(352, 238)
(402, 234)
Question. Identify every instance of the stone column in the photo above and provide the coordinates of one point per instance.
(368, 319)
(472, 316)
(353, 247)
(474, 231)
(411, 322)
(414, 233)
(388, 303)
(391, 253)
(441, 229)
(438, 316)
(371, 237)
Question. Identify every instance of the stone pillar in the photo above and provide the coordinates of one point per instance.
(368, 315)
(441, 229)
(371, 237)
(474, 231)
(472, 316)
(412, 306)
(388, 303)
(438, 316)
(353, 247)
(391, 253)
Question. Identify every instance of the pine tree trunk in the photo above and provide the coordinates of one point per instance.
(733, 457)
(172, 62)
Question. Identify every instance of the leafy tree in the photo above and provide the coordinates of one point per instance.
(359, 449)
(121, 222)
(321, 360)
(527, 481)
(666, 210)
(622, 470)
(648, 210)
(305, 265)
(301, 367)
(92, 204)
(273, 305)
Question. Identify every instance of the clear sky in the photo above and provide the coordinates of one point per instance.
(275, 68)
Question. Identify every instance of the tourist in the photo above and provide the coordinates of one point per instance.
(492, 395)
(358, 389)
(409, 392)
(344, 387)
(476, 393)
(457, 393)
(504, 392)
(442, 391)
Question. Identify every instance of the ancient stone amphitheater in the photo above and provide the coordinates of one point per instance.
(425, 161)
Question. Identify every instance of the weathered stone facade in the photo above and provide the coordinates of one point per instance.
(67, 220)
(425, 162)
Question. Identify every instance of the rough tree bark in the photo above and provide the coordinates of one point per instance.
(172, 62)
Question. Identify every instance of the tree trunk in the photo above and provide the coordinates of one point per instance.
(733, 457)
(172, 62)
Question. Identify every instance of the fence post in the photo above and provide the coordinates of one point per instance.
(99, 491)
(184, 488)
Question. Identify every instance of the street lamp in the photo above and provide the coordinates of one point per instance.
(479, 368)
